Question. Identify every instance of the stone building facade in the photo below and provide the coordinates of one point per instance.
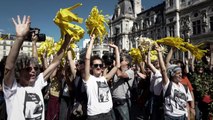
(191, 20)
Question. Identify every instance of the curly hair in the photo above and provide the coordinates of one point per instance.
(24, 61)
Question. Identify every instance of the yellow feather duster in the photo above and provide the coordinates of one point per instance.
(173, 42)
(95, 23)
(136, 55)
(63, 19)
(45, 46)
(195, 50)
(145, 44)
(153, 55)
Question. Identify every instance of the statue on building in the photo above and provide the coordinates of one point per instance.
(204, 21)
(185, 26)
(118, 11)
(134, 27)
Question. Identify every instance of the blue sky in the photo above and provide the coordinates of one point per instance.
(42, 12)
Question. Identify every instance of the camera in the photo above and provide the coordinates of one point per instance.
(36, 31)
(108, 59)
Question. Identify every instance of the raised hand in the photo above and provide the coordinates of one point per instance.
(112, 45)
(92, 37)
(22, 27)
(34, 37)
(158, 48)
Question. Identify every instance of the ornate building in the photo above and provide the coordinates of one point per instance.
(122, 21)
(189, 19)
(7, 42)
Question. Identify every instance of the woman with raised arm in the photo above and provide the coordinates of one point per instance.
(174, 93)
(22, 80)
(99, 97)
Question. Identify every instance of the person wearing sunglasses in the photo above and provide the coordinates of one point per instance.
(99, 103)
(22, 82)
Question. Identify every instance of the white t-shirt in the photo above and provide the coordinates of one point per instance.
(176, 103)
(156, 83)
(99, 96)
(25, 102)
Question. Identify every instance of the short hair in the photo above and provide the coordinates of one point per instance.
(96, 57)
(23, 61)
(128, 58)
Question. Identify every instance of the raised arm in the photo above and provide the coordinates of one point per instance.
(151, 66)
(22, 29)
(162, 65)
(169, 56)
(193, 64)
(71, 63)
(44, 60)
(34, 47)
(57, 59)
(88, 56)
(117, 62)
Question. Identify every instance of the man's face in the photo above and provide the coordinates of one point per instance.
(28, 75)
(97, 67)
(123, 61)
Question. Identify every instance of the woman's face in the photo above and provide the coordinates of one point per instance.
(28, 75)
(97, 67)
(177, 76)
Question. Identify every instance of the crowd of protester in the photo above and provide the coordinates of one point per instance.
(107, 88)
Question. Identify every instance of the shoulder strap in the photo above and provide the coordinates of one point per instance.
(168, 91)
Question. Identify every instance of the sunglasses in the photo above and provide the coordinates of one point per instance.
(31, 68)
(98, 65)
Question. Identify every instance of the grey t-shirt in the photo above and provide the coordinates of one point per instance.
(120, 88)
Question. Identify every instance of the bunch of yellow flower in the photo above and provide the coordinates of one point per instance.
(95, 23)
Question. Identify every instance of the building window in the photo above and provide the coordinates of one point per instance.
(183, 1)
(159, 34)
(196, 27)
(171, 3)
(211, 23)
(117, 31)
(105, 52)
(4, 47)
(171, 31)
